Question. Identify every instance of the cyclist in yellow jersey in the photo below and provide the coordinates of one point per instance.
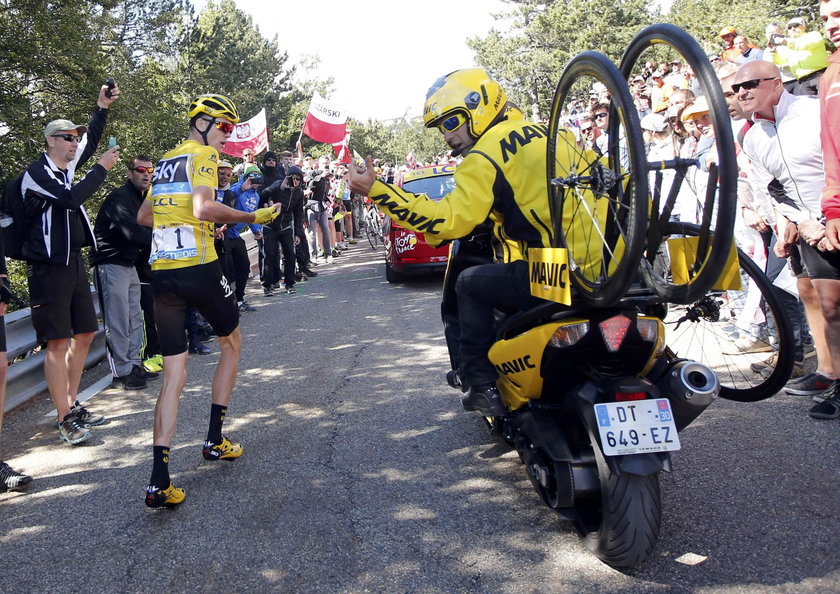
(503, 178)
(182, 209)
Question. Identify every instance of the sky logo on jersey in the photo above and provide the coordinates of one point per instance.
(171, 177)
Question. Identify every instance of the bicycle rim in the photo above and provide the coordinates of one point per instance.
(598, 210)
(713, 210)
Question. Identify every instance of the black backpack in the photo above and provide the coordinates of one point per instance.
(12, 218)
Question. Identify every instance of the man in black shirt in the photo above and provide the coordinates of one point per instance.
(288, 227)
(119, 240)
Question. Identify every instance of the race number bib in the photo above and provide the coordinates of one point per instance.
(173, 243)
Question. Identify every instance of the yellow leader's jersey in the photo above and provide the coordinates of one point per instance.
(179, 239)
(503, 178)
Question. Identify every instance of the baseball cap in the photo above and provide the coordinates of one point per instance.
(252, 169)
(224, 164)
(60, 125)
(796, 21)
(653, 122)
(699, 107)
(729, 30)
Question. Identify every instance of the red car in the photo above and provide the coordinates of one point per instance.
(407, 252)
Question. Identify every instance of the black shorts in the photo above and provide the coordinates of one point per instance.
(2, 334)
(60, 298)
(796, 265)
(819, 265)
(203, 287)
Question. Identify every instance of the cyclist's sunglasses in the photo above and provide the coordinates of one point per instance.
(452, 123)
(143, 169)
(749, 85)
(222, 125)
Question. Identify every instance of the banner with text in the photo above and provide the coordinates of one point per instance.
(324, 121)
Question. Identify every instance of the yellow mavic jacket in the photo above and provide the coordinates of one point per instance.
(503, 177)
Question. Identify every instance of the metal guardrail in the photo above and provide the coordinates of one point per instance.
(26, 376)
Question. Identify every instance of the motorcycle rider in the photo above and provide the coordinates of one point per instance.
(503, 178)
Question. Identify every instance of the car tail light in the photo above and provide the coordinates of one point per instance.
(614, 330)
(569, 334)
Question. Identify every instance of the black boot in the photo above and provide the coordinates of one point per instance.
(486, 400)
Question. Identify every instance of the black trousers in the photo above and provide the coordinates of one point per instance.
(287, 243)
(238, 264)
(270, 269)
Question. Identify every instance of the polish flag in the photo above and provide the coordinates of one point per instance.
(342, 149)
(324, 121)
(252, 134)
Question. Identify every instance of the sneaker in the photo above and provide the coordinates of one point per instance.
(309, 273)
(168, 497)
(154, 364)
(72, 431)
(85, 417)
(275, 287)
(766, 367)
(747, 345)
(244, 306)
(222, 451)
(12, 480)
(130, 381)
(144, 374)
(199, 348)
(335, 253)
(485, 400)
(828, 408)
(352, 242)
(268, 292)
(810, 385)
(311, 264)
(291, 290)
(810, 351)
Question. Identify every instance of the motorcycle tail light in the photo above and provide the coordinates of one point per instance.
(625, 396)
(614, 330)
(569, 334)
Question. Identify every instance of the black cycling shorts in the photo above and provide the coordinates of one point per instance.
(60, 298)
(2, 334)
(819, 265)
(203, 287)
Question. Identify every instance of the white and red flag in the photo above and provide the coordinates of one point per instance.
(252, 134)
(325, 122)
(342, 150)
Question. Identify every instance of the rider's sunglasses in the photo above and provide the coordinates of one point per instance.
(749, 85)
(601, 114)
(452, 123)
(142, 169)
(68, 137)
(222, 125)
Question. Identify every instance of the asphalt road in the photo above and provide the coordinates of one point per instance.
(362, 474)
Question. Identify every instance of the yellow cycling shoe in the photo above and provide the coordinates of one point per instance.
(154, 364)
(221, 451)
(168, 497)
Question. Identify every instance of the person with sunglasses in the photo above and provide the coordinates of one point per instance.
(55, 231)
(119, 241)
(784, 147)
(502, 178)
(182, 211)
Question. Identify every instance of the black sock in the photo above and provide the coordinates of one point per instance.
(217, 417)
(160, 467)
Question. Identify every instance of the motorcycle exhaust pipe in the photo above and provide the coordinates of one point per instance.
(690, 387)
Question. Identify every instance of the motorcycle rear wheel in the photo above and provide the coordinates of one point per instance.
(621, 527)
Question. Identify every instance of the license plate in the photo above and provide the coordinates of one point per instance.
(637, 427)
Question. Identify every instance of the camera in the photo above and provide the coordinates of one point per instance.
(777, 38)
(256, 179)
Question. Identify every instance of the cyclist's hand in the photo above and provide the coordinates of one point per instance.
(266, 215)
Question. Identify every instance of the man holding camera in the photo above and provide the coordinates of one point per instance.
(56, 230)
(804, 53)
(287, 228)
(247, 198)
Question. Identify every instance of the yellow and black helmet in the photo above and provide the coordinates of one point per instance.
(216, 106)
(468, 96)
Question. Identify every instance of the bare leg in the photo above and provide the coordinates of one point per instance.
(829, 293)
(224, 379)
(816, 321)
(76, 355)
(56, 373)
(169, 399)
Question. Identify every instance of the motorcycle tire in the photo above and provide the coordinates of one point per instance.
(624, 529)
